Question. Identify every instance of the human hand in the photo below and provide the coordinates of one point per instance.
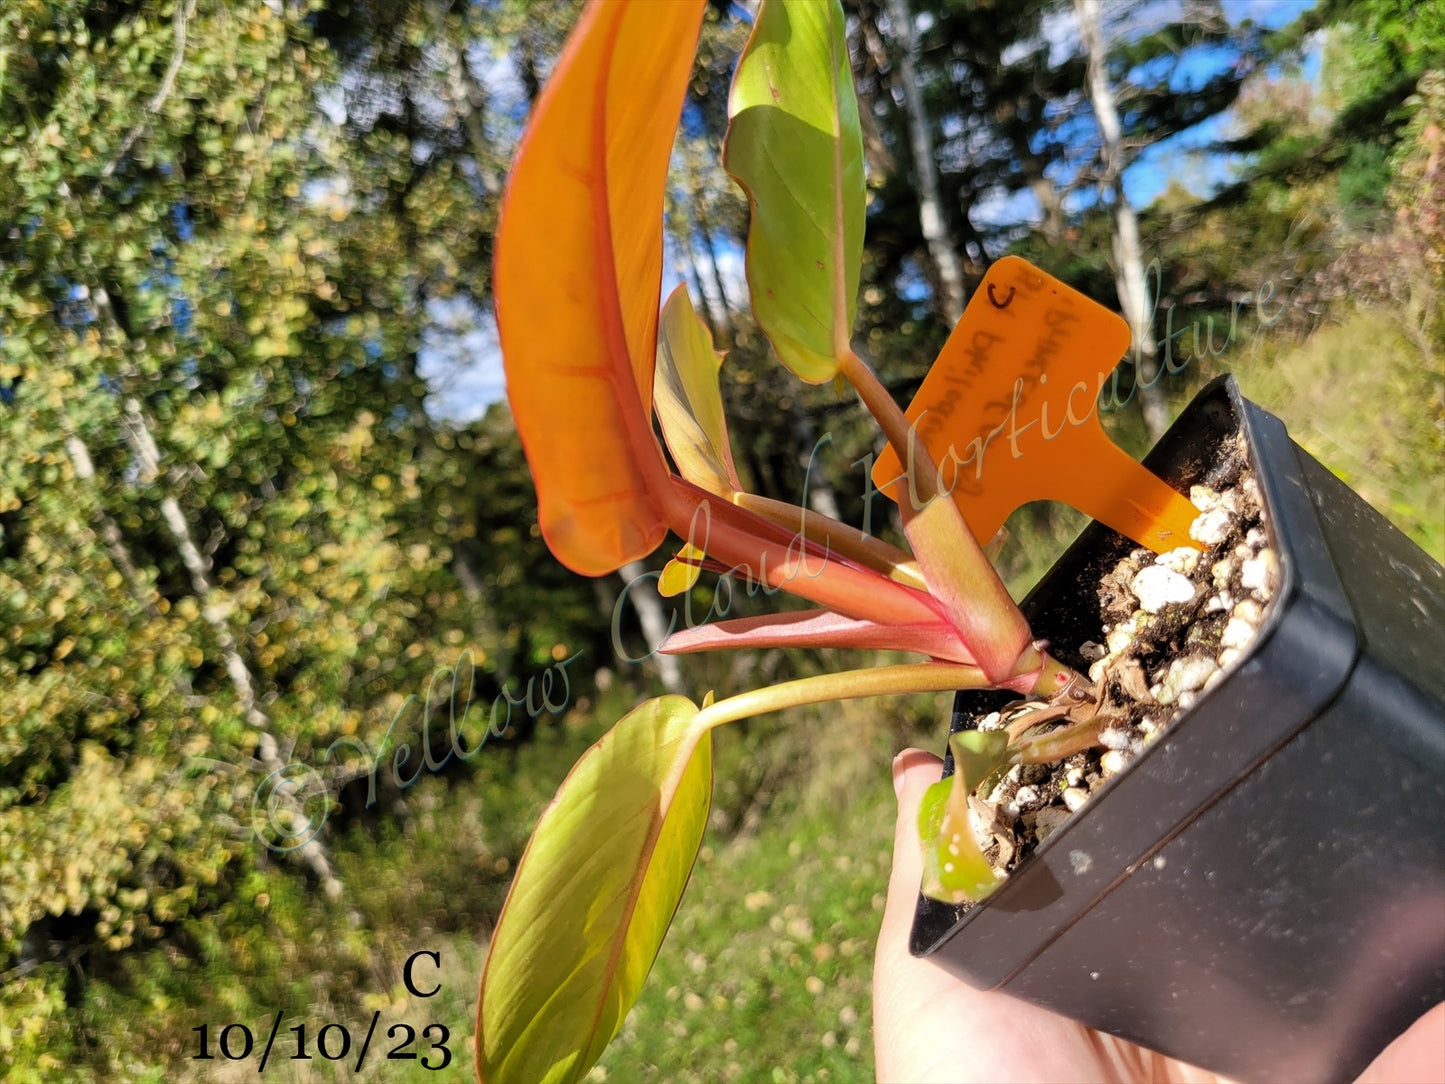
(994, 1037)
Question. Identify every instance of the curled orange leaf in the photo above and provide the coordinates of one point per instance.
(578, 273)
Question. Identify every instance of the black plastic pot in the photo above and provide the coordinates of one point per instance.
(1262, 892)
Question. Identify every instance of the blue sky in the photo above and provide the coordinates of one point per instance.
(1179, 156)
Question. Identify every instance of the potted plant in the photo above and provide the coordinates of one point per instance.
(592, 366)
(1262, 891)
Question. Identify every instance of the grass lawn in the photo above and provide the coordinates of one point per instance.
(766, 974)
(1361, 399)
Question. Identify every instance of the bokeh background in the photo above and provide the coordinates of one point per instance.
(258, 482)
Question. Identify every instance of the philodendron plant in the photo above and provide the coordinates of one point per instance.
(591, 366)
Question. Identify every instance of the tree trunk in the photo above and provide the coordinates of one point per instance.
(648, 604)
(214, 611)
(930, 209)
(120, 554)
(109, 532)
(527, 68)
(468, 97)
(138, 437)
(724, 331)
(819, 491)
(1128, 255)
(687, 271)
(867, 45)
(1133, 288)
(464, 555)
(1052, 206)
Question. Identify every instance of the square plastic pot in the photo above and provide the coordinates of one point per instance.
(1262, 891)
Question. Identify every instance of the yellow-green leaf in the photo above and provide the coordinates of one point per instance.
(688, 401)
(593, 897)
(682, 572)
(796, 146)
(977, 754)
(954, 867)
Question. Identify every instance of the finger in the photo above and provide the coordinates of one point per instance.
(902, 984)
(1417, 1055)
(930, 1026)
(927, 1024)
(914, 771)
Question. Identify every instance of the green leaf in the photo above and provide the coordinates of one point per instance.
(593, 897)
(954, 867)
(688, 401)
(795, 145)
(977, 754)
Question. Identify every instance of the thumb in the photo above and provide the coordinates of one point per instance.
(902, 985)
(914, 771)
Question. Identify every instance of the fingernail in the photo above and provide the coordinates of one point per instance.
(898, 775)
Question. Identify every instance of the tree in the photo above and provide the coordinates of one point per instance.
(227, 526)
(931, 219)
(1128, 254)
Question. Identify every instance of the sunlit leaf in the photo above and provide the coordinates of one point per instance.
(795, 145)
(690, 410)
(954, 867)
(593, 897)
(966, 585)
(682, 572)
(688, 400)
(977, 754)
(819, 628)
(867, 550)
(578, 266)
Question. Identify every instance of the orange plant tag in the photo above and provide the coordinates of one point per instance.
(1008, 412)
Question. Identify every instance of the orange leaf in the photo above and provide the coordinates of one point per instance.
(578, 273)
